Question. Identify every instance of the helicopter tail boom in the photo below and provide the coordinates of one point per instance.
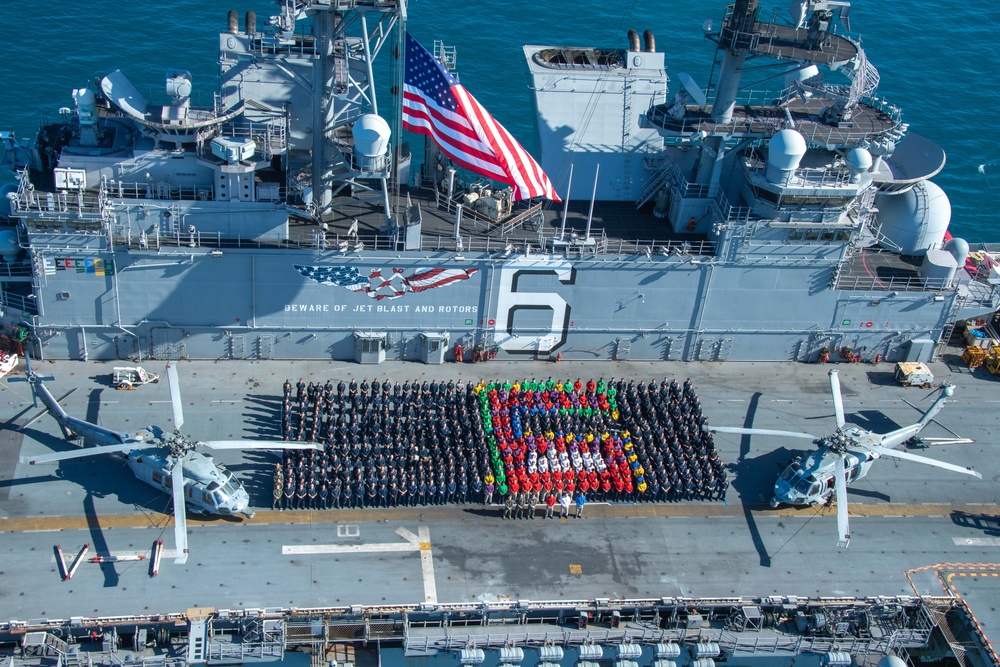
(73, 426)
(901, 435)
(51, 404)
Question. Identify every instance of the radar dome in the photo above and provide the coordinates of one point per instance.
(959, 249)
(859, 160)
(891, 661)
(784, 151)
(371, 135)
(914, 220)
(8, 245)
(8, 192)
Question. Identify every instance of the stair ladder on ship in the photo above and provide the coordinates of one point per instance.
(42, 644)
(944, 622)
(74, 659)
(659, 178)
(318, 656)
(949, 327)
(626, 175)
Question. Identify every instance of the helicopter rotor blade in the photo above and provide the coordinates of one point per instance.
(175, 396)
(838, 399)
(757, 431)
(79, 453)
(259, 444)
(180, 513)
(896, 454)
(843, 526)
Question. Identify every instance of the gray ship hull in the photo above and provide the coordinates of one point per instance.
(244, 303)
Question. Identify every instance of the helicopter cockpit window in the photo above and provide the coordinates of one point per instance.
(793, 471)
(231, 484)
(807, 486)
(213, 486)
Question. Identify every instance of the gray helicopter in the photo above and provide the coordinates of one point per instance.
(168, 462)
(843, 457)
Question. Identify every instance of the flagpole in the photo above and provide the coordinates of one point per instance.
(593, 196)
(562, 228)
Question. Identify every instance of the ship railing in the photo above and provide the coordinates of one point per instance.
(59, 204)
(752, 124)
(242, 651)
(979, 295)
(684, 187)
(160, 190)
(300, 45)
(143, 661)
(435, 243)
(15, 269)
(885, 106)
(270, 136)
(895, 284)
(345, 5)
(813, 178)
(729, 213)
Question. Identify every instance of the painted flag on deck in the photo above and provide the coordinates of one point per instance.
(381, 284)
(436, 104)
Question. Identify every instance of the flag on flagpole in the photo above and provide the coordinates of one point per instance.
(436, 104)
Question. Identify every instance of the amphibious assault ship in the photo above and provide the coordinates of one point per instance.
(734, 221)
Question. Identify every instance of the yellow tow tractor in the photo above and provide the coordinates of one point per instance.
(993, 360)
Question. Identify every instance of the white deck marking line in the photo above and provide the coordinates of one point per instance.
(420, 542)
(976, 541)
(427, 565)
(300, 549)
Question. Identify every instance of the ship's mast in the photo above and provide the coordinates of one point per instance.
(324, 159)
(348, 36)
(735, 39)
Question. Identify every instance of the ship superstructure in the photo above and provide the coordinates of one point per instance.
(741, 221)
(668, 632)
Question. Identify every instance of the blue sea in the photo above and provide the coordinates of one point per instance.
(937, 60)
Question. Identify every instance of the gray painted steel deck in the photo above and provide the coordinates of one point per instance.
(616, 551)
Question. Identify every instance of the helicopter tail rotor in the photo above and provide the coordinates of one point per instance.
(180, 513)
(843, 526)
(175, 396)
(838, 399)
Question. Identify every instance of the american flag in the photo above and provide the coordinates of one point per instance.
(437, 105)
(380, 286)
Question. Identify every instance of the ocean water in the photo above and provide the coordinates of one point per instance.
(936, 59)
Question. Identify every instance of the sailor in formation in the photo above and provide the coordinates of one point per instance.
(527, 442)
